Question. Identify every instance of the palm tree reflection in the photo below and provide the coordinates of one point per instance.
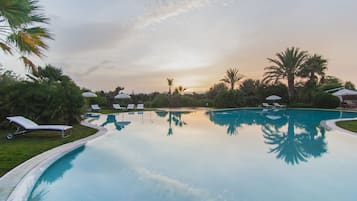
(287, 145)
(294, 136)
(119, 125)
(174, 118)
(56, 173)
(294, 147)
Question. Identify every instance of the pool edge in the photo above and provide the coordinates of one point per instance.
(331, 125)
(17, 184)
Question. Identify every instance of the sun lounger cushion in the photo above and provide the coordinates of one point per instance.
(140, 106)
(131, 106)
(30, 125)
(118, 107)
(95, 107)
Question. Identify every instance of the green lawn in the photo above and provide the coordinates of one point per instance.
(348, 125)
(21, 148)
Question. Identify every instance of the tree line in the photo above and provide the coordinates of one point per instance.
(47, 95)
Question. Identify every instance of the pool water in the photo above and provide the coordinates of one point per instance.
(238, 155)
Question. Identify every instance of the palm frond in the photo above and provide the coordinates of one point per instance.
(30, 65)
(5, 48)
(31, 40)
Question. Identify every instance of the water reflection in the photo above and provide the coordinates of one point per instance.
(119, 125)
(295, 147)
(233, 120)
(91, 117)
(64, 164)
(294, 135)
(52, 175)
(174, 119)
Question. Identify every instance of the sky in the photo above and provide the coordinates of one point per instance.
(137, 44)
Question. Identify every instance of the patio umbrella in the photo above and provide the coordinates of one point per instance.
(344, 92)
(122, 96)
(273, 97)
(89, 94)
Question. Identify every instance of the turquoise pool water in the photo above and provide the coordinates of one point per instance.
(239, 155)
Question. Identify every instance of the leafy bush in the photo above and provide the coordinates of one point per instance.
(326, 100)
(42, 100)
(160, 100)
(300, 105)
(229, 99)
(184, 101)
(163, 100)
(278, 89)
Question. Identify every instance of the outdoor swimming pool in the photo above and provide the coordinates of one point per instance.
(242, 155)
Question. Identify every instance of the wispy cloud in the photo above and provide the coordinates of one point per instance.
(95, 36)
(168, 9)
(96, 67)
(175, 185)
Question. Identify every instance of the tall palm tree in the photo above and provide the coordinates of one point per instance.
(232, 77)
(179, 90)
(19, 32)
(170, 82)
(287, 66)
(314, 67)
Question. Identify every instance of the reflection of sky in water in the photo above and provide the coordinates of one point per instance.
(228, 155)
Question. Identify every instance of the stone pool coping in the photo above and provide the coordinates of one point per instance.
(331, 125)
(17, 184)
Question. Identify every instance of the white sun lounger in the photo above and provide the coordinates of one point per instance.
(130, 106)
(266, 105)
(140, 107)
(278, 105)
(95, 107)
(26, 126)
(118, 107)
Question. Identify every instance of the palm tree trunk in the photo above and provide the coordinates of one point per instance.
(169, 96)
(312, 76)
(232, 85)
(291, 88)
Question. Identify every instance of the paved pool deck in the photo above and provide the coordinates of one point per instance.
(17, 184)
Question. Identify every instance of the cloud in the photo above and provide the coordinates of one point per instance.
(80, 38)
(87, 37)
(167, 10)
(96, 67)
(174, 185)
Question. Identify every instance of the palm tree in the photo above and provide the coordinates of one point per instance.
(179, 90)
(50, 73)
(287, 66)
(19, 31)
(232, 77)
(350, 85)
(314, 67)
(170, 82)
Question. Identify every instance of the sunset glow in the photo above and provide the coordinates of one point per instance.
(137, 44)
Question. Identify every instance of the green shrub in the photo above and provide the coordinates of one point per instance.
(160, 100)
(301, 105)
(229, 99)
(326, 100)
(42, 100)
